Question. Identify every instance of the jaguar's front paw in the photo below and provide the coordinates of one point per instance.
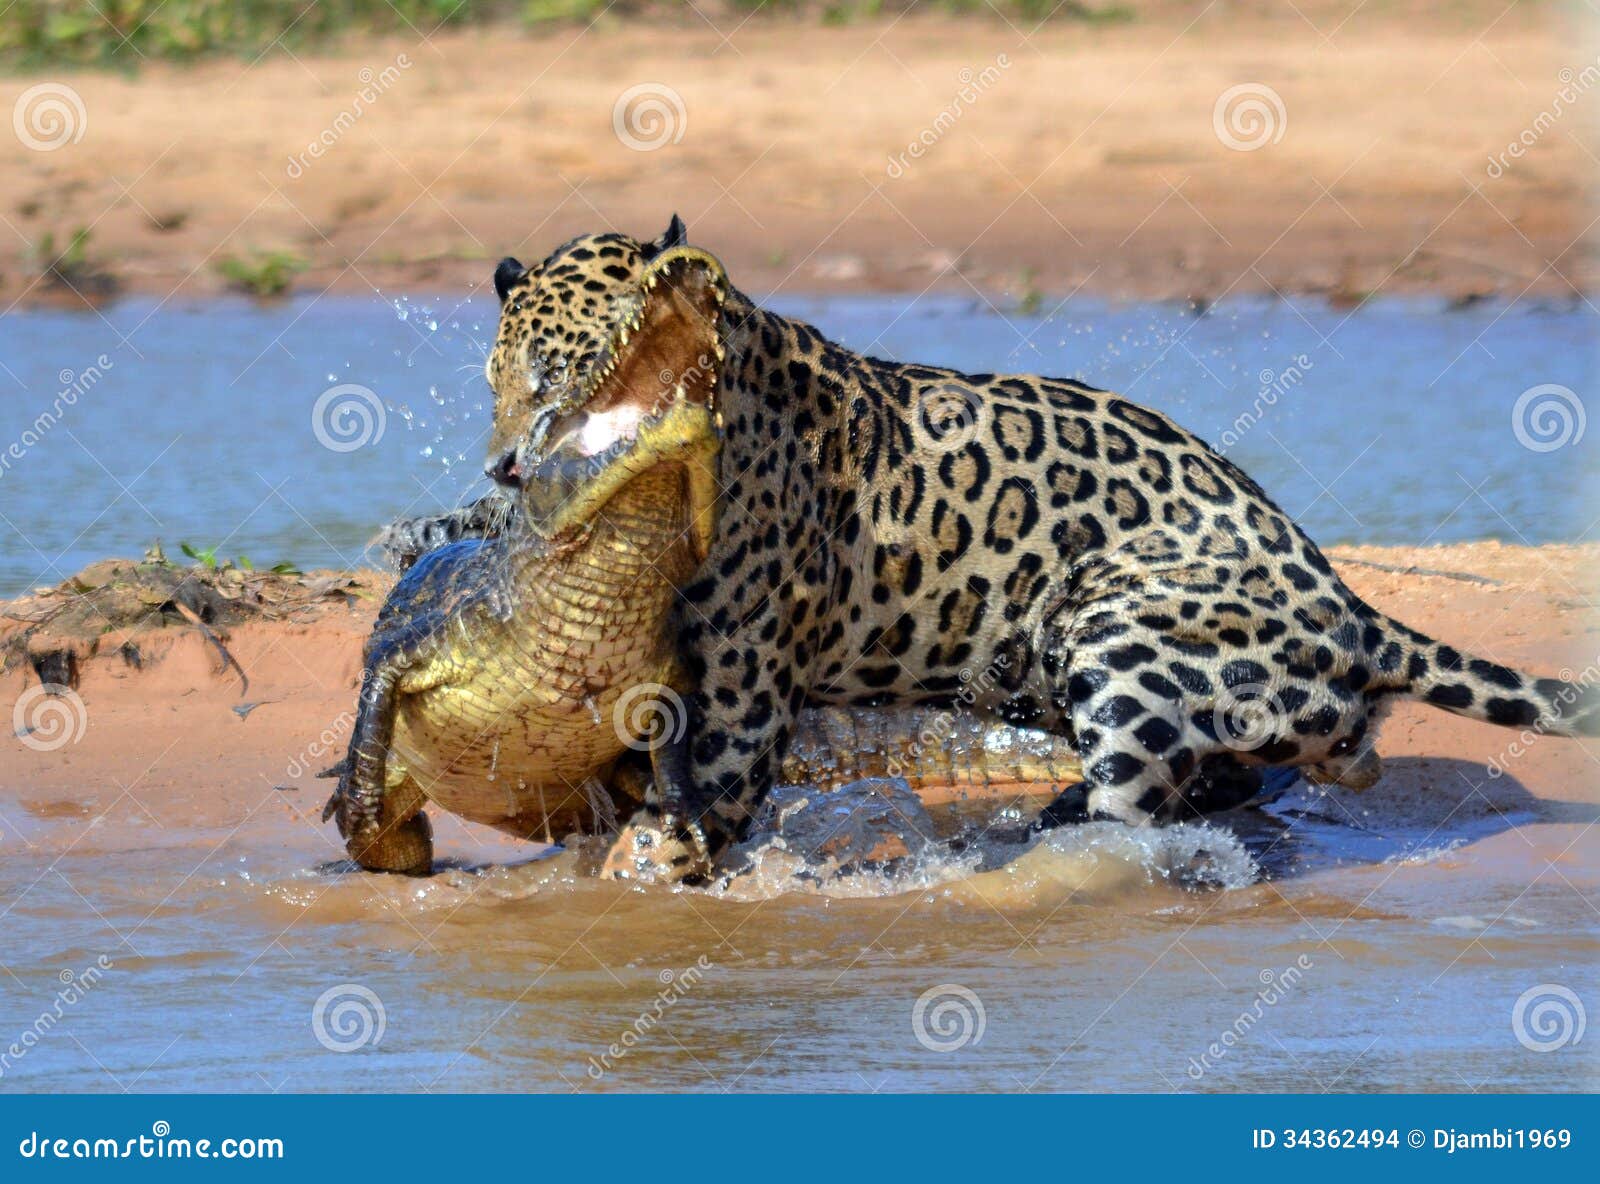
(649, 851)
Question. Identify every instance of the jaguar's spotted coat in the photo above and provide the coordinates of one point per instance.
(893, 532)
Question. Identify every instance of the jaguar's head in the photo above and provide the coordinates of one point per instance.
(606, 365)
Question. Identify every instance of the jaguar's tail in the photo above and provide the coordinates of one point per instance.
(1475, 687)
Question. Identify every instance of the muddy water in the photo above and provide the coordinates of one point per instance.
(1374, 946)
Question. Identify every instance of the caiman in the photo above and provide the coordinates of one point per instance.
(518, 681)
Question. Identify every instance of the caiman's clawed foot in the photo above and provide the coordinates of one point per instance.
(404, 847)
(405, 540)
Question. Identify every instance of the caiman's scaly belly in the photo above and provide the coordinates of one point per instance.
(508, 721)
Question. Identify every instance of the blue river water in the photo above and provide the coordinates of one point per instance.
(212, 424)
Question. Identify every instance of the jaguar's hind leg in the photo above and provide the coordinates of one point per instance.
(1132, 721)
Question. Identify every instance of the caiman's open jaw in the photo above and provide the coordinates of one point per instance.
(651, 400)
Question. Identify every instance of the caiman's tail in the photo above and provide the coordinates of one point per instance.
(1475, 687)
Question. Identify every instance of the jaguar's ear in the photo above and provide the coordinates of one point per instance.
(507, 272)
(675, 235)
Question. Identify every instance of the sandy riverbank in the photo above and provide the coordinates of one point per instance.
(173, 745)
(1070, 157)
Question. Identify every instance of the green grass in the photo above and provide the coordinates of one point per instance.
(208, 558)
(263, 274)
(71, 264)
(124, 33)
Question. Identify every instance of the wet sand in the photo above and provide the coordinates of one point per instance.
(175, 744)
(1393, 946)
(1089, 160)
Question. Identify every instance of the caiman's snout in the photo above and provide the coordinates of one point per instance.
(506, 469)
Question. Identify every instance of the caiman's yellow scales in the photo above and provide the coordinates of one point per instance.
(506, 678)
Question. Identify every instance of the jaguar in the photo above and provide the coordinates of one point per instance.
(1050, 553)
